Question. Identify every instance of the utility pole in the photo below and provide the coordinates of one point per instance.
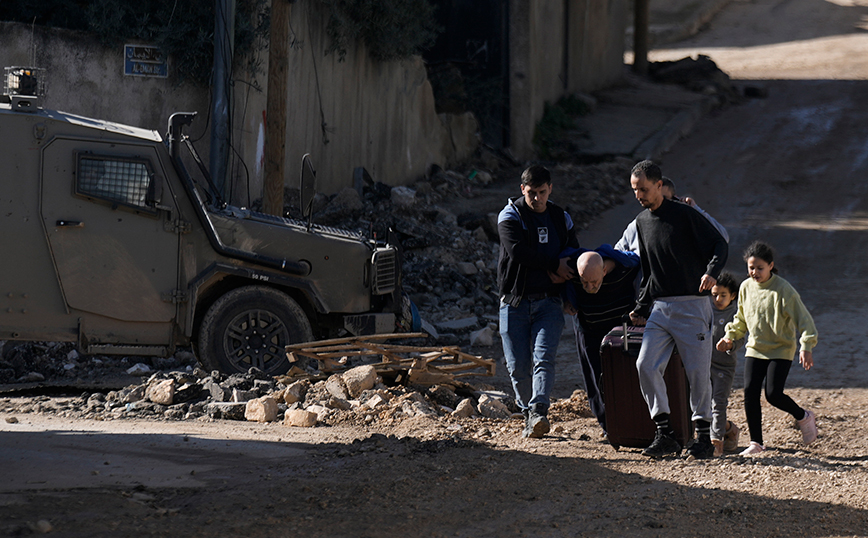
(275, 108)
(640, 36)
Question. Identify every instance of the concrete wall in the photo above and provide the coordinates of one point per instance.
(83, 77)
(559, 47)
(377, 115)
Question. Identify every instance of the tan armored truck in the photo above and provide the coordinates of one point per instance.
(116, 240)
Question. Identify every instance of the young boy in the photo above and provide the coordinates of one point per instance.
(724, 434)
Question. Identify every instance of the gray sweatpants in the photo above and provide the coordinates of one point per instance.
(684, 322)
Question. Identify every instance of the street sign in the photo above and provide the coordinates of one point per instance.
(145, 61)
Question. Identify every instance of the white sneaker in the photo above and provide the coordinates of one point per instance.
(753, 448)
(808, 426)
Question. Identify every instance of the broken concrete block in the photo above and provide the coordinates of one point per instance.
(482, 337)
(296, 392)
(403, 197)
(132, 394)
(226, 410)
(359, 379)
(335, 386)
(300, 418)
(261, 409)
(242, 396)
(444, 395)
(218, 393)
(375, 401)
(338, 403)
(458, 324)
(139, 369)
(465, 409)
(466, 268)
(493, 408)
(161, 391)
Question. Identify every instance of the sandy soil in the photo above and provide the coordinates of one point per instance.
(787, 168)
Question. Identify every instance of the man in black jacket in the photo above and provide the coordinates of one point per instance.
(681, 256)
(530, 273)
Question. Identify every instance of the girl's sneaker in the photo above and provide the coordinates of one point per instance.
(808, 425)
(753, 448)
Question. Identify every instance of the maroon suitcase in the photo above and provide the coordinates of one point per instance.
(628, 422)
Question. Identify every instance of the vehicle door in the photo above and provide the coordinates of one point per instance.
(108, 213)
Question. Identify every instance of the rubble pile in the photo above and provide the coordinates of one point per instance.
(450, 253)
(356, 396)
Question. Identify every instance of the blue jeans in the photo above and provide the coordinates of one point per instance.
(530, 333)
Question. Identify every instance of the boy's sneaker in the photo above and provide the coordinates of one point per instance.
(701, 448)
(730, 439)
(753, 448)
(536, 425)
(808, 425)
(663, 445)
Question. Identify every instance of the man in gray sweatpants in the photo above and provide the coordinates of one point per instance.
(681, 255)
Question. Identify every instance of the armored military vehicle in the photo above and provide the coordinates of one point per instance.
(116, 239)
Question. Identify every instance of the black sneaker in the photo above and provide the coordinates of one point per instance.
(701, 448)
(536, 425)
(663, 445)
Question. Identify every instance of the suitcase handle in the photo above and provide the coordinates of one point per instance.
(625, 319)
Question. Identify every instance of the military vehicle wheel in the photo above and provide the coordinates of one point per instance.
(251, 326)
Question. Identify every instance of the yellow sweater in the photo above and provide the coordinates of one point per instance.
(771, 313)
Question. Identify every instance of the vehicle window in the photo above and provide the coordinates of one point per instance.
(118, 180)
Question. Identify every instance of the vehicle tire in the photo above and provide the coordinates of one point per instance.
(250, 327)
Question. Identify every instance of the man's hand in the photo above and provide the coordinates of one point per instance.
(724, 344)
(570, 309)
(636, 320)
(565, 272)
(707, 283)
(806, 358)
(689, 201)
(555, 278)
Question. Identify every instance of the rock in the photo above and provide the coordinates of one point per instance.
(11, 420)
(31, 377)
(242, 396)
(346, 201)
(375, 401)
(444, 395)
(218, 393)
(465, 409)
(480, 235)
(300, 418)
(132, 394)
(261, 409)
(446, 217)
(296, 392)
(338, 403)
(335, 386)
(226, 410)
(483, 177)
(458, 324)
(359, 379)
(493, 408)
(139, 368)
(161, 391)
(403, 197)
(482, 337)
(466, 268)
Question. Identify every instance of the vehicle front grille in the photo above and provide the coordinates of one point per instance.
(384, 264)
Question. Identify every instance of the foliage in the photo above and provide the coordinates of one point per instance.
(184, 29)
(556, 121)
(391, 29)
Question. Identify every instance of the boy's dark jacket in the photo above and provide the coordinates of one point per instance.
(518, 247)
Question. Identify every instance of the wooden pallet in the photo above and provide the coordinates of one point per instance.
(419, 365)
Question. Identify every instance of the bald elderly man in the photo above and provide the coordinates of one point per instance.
(603, 290)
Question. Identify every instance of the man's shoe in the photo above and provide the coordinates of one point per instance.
(663, 445)
(808, 425)
(701, 448)
(536, 425)
(730, 439)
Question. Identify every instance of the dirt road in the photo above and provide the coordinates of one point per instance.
(789, 169)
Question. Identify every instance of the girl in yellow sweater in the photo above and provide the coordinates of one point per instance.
(772, 313)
